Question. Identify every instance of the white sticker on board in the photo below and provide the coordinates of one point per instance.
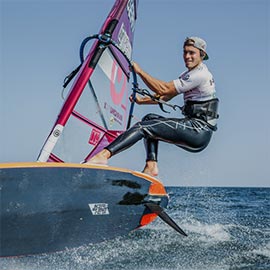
(99, 208)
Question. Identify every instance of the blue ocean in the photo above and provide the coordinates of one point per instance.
(228, 228)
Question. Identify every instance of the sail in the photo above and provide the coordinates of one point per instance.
(97, 108)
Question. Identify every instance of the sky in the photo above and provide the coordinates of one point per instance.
(39, 45)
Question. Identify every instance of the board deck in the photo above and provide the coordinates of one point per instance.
(48, 207)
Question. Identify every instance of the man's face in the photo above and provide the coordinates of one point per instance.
(191, 57)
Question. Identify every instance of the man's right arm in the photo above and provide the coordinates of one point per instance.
(160, 87)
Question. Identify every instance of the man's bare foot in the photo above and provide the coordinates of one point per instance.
(100, 158)
(151, 168)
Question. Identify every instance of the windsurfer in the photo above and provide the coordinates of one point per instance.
(194, 131)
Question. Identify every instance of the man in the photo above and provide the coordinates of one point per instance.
(194, 131)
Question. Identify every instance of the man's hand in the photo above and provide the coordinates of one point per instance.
(142, 99)
(136, 67)
(138, 99)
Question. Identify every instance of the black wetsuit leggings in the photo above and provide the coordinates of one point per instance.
(188, 133)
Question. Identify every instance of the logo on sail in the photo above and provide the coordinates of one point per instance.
(124, 42)
(131, 14)
(94, 136)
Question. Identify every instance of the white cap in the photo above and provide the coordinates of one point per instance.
(198, 43)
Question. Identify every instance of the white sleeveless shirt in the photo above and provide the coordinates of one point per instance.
(196, 84)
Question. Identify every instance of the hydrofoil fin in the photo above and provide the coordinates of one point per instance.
(155, 208)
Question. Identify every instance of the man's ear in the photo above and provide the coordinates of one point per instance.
(202, 54)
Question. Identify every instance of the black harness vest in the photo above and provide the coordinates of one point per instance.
(204, 110)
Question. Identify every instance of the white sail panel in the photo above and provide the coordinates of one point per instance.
(103, 106)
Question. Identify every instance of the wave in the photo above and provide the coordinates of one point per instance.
(263, 250)
(221, 236)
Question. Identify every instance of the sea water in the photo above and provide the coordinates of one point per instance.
(228, 228)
